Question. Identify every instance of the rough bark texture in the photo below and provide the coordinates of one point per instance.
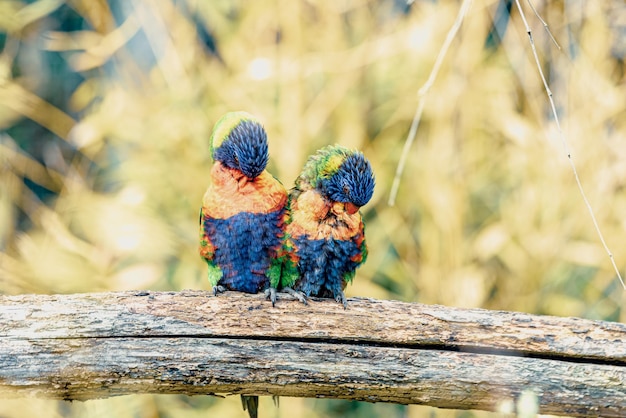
(99, 345)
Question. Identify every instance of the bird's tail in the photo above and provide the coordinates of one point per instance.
(250, 404)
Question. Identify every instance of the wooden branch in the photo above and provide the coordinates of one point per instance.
(99, 345)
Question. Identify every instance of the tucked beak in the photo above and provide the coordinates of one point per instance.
(243, 180)
(351, 208)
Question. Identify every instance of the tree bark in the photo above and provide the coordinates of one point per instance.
(99, 345)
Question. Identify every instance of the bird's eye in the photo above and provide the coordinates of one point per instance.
(346, 190)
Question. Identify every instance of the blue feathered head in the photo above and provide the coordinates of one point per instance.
(239, 141)
(342, 175)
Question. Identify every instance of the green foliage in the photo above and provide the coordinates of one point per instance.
(107, 110)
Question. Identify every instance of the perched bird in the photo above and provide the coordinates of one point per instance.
(242, 214)
(325, 236)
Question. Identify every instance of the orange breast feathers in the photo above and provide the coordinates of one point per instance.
(231, 192)
(318, 218)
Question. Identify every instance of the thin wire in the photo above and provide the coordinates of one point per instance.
(421, 94)
(564, 142)
(545, 25)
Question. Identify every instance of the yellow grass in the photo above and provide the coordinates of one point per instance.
(488, 213)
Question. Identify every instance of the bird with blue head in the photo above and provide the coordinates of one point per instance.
(242, 214)
(325, 233)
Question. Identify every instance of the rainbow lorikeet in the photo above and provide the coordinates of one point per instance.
(325, 236)
(242, 214)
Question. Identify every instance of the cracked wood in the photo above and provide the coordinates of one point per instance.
(98, 345)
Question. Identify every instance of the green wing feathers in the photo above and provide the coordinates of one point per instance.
(207, 251)
(289, 261)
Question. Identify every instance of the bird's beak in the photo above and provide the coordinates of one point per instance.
(351, 208)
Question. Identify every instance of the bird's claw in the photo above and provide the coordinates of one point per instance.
(270, 294)
(298, 295)
(341, 298)
(218, 289)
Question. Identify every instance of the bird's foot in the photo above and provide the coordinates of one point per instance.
(270, 294)
(297, 294)
(218, 289)
(341, 298)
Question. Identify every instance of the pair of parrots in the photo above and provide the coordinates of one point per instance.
(257, 238)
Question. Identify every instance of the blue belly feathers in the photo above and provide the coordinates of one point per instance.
(323, 264)
(244, 247)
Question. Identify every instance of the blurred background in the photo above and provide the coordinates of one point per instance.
(106, 108)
